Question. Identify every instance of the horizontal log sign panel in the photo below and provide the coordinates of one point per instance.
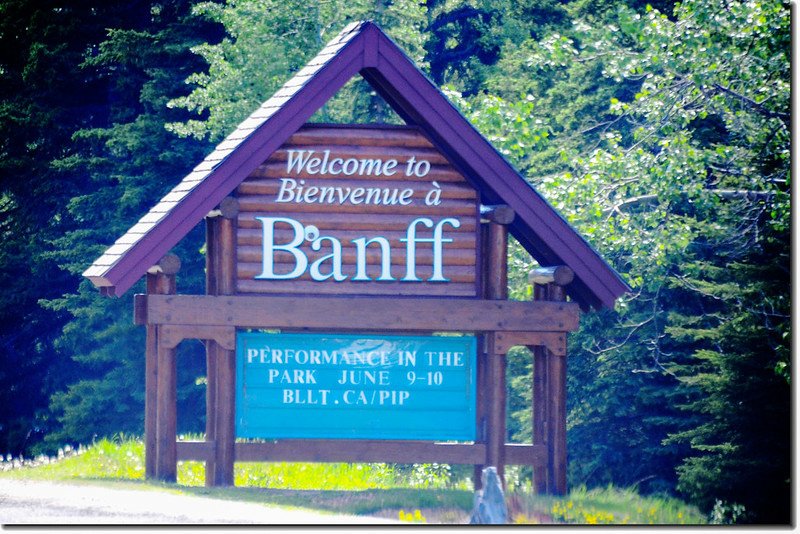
(357, 211)
(355, 386)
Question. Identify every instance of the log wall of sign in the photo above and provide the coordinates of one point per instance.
(279, 189)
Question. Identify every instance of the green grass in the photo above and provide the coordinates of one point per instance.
(118, 459)
(603, 506)
(362, 489)
(429, 492)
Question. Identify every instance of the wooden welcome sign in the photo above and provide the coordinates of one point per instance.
(356, 294)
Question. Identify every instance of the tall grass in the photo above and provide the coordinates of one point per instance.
(299, 475)
(610, 506)
(122, 458)
(364, 488)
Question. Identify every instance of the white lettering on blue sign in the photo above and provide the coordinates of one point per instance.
(355, 386)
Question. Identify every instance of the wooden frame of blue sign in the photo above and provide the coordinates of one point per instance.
(501, 324)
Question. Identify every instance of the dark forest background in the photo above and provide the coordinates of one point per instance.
(660, 130)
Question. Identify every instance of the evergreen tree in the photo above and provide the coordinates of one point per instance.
(44, 98)
(128, 163)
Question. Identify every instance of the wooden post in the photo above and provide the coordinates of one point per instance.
(539, 401)
(212, 270)
(550, 390)
(150, 385)
(557, 427)
(224, 419)
(167, 417)
(160, 411)
(481, 382)
(496, 288)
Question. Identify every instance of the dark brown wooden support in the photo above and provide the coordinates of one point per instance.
(220, 355)
(160, 280)
(212, 268)
(557, 383)
(167, 417)
(496, 289)
(354, 314)
(559, 275)
(481, 365)
(150, 388)
(225, 432)
(540, 403)
(480, 407)
(550, 389)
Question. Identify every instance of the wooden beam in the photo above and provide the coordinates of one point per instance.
(525, 454)
(228, 209)
(172, 335)
(557, 425)
(498, 214)
(556, 342)
(156, 283)
(353, 313)
(167, 416)
(550, 404)
(496, 288)
(169, 264)
(362, 451)
(226, 362)
(212, 268)
(560, 275)
(199, 451)
(311, 450)
(540, 405)
(481, 363)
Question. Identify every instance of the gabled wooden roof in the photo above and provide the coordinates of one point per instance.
(361, 48)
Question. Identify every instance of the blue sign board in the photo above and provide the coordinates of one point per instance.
(355, 386)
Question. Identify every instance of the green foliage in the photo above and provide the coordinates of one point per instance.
(42, 100)
(128, 164)
(668, 148)
(267, 42)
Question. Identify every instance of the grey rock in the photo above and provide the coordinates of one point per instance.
(490, 504)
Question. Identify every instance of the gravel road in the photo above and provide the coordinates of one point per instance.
(25, 502)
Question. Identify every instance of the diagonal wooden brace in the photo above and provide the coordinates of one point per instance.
(555, 342)
(171, 335)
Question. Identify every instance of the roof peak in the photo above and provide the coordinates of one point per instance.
(360, 48)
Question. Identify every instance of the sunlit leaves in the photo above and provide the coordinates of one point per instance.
(268, 41)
